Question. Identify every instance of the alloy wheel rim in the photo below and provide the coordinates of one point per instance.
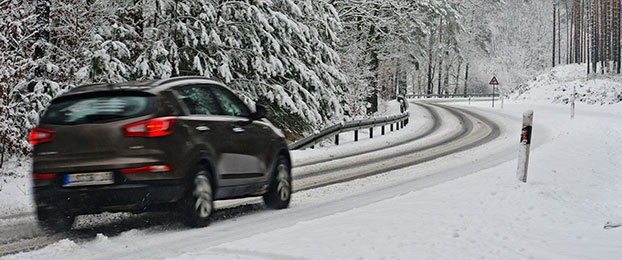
(284, 185)
(203, 196)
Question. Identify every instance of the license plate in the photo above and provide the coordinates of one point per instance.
(88, 179)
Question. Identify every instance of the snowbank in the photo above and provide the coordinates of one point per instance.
(559, 84)
(15, 187)
(573, 191)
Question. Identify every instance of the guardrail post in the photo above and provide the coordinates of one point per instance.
(391, 127)
(337, 139)
(356, 135)
(525, 144)
(371, 133)
(382, 130)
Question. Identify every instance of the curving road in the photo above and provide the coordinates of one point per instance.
(450, 130)
(440, 139)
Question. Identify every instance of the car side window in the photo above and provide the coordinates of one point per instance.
(230, 103)
(199, 100)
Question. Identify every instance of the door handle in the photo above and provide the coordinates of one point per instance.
(202, 128)
(238, 130)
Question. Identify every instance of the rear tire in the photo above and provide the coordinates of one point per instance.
(198, 204)
(54, 221)
(280, 190)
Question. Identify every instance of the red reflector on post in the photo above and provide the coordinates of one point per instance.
(148, 169)
(150, 128)
(40, 135)
(43, 176)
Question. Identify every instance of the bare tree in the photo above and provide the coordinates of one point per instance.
(554, 32)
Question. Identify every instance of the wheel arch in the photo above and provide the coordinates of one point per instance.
(205, 159)
(282, 151)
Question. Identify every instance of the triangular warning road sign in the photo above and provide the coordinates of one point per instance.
(494, 81)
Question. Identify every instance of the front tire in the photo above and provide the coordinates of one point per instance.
(280, 190)
(53, 220)
(198, 205)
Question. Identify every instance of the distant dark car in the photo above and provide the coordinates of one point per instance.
(176, 144)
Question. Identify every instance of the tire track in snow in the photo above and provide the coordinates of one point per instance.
(402, 158)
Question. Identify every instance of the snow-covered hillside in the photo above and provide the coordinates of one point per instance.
(561, 83)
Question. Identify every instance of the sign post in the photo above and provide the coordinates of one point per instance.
(493, 82)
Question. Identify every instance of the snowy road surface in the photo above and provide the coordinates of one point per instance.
(434, 131)
(459, 204)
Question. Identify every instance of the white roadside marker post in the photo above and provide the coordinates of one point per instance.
(525, 144)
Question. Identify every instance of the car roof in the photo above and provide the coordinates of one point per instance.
(149, 86)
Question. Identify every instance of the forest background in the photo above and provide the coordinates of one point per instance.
(313, 62)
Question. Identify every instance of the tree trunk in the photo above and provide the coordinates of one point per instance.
(602, 36)
(396, 82)
(137, 17)
(559, 37)
(43, 36)
(582, 30)
(587, 33)
(567, 35)
(619, 31)
(430, 61)
(446, 81)
(466, 79)
(583, 33)
(594, 35)
(440, 75)
(457, 77)
(573, 32)
(440, 60)
(554, 32)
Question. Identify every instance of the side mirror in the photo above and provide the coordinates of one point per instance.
(260, 112)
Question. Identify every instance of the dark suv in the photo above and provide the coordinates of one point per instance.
(175, 144)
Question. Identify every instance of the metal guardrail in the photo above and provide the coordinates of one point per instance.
(400, 121)
(449, 95)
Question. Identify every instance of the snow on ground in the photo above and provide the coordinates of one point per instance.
(559, 85)
(15, 188)
(573, 190)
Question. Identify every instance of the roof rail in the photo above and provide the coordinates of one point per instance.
(173, 79)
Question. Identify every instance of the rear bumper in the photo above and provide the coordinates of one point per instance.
(124, 197)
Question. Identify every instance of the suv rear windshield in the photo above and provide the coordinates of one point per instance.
(97, 108)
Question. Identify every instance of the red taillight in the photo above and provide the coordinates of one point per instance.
(43, 176)
(150, 128)
(40, 135)
(148, 169)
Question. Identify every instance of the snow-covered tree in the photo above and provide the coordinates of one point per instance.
(17, 36)
(390, 39)
(280, 52)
